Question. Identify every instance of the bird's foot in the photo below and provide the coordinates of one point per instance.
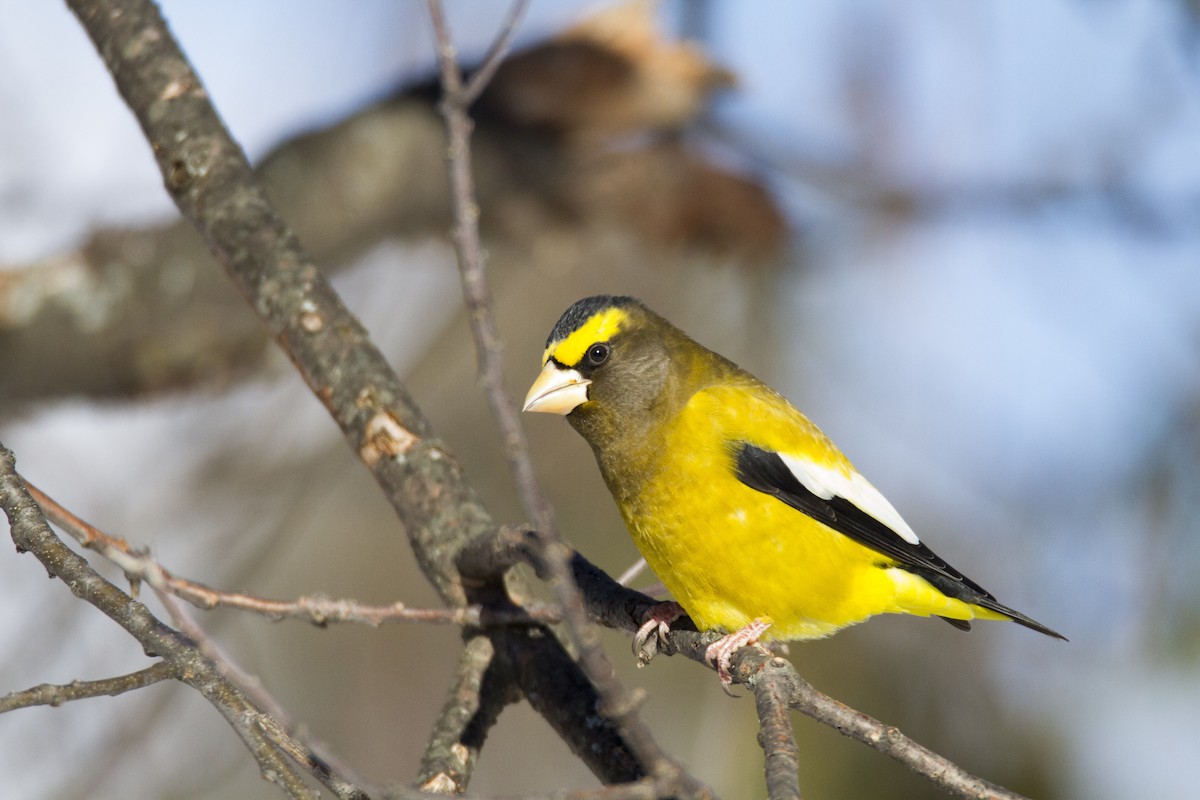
(720, 652)
(655, 630)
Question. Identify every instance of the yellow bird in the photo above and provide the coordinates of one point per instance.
(746, 511)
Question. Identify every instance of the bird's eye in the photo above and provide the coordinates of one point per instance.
(597, 354)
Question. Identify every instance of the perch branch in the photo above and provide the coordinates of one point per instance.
(619, 607)
(771, 691)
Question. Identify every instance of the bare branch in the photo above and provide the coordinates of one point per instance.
(316, 609)
(888, 740)
(476, 291)
(48, 694)
(31, 533)
(281, 730)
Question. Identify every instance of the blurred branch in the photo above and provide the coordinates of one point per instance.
(136, 311)
(868, 188)
(48, 694)
(616, 703)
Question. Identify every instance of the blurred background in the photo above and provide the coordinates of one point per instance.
(962, 237)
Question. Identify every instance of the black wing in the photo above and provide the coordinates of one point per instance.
(764, 471)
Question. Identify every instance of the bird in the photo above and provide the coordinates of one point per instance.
(756, 523)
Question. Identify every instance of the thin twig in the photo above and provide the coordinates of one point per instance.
(495, 54)
(49, 694)
(278, 724)
(617, 703)
(31, 533)
(888, 740)
(318, 610)
(469, 248)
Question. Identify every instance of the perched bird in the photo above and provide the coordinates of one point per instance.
(746, 511)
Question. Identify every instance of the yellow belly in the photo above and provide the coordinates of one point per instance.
(730, 554)
(735, 558)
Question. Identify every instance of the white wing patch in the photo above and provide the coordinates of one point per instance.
(826, 483)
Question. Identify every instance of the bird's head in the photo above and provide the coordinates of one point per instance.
(605, 366)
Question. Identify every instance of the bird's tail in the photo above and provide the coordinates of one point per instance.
(926, 592)
(1004, 612)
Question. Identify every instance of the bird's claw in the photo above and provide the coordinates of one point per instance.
(720, 653)
(654, 630)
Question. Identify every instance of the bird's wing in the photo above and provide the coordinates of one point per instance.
(847, 503)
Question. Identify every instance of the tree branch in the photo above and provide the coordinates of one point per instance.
(31, 533)
(318, 610)
(48, 694)
(467, 245)
(495, 54)
(208, 177)
(771, 691)
(482, 687)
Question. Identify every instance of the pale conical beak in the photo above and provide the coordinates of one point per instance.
(557, 391)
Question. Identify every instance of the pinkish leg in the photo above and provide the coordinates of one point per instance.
(721, 651)
(657, 624)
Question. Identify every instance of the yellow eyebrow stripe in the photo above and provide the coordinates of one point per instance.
(600, 327)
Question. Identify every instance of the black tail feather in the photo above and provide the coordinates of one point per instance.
(969, 594)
